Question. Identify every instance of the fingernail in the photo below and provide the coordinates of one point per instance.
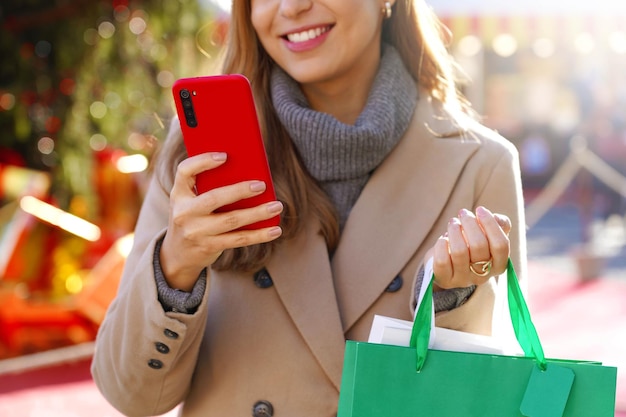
(218, 156)
(257, 186)
(275, 231)
(455, 220)
(275, 207)
(482, 211)
(463, 212)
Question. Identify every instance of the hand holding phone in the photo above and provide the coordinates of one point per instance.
(217, 114)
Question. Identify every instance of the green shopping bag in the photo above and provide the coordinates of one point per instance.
(394, 381)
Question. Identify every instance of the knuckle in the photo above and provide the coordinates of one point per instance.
(439, 265)
(177, 223)
(209, 248)
(210, 200)
(458, 253)
(480, 246)
(178, 219)
(231, 221)
(482, 242)
(184, 168)
(188, 235)
(500, 246)
(240, 240)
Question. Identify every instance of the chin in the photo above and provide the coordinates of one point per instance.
(307, 71)
(309, 75)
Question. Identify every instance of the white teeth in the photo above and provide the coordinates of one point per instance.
(306, 35)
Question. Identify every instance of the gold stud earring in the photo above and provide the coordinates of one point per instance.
(387, 10)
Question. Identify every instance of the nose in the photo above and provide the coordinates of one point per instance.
(292, 8)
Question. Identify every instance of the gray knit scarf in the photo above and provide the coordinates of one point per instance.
(342, 157)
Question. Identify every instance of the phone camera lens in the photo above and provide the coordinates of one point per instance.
(184, 93)
(187, 104)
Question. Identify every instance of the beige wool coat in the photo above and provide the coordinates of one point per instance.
(284, 344)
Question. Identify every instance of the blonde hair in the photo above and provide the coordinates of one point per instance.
(412, 29)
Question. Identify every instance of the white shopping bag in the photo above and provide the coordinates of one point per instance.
(393, 331)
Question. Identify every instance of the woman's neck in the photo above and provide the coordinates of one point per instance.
(341, 156)
(345, 95)
(343, 100)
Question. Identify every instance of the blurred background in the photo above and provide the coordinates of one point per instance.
(85, 101)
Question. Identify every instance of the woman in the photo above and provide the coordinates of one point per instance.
(377, 166)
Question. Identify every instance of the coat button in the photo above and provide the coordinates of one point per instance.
(162, 347)
(262, 409)
(170, 334)
(155, 364)
(395, 285)
(262, 279)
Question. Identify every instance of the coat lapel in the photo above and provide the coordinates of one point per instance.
(387, 225)
(301, 272)
(396, 210)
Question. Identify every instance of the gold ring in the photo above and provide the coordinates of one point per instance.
(483, 266)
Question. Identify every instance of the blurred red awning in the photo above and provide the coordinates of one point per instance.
(559, 20)
(526, 28)
(446, 8)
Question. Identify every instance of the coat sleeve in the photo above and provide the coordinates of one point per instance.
(497, 187)
(145, 357)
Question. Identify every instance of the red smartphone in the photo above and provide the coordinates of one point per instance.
(217, 114)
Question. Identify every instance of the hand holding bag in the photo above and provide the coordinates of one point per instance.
(386, 381)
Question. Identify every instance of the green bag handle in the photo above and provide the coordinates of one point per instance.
(524, 329)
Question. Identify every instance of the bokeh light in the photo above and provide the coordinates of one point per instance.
(74, 283)
(98, 109)
(98, 142)
(132, 163)
(137, 25)
(67, 86)
(165, 79)
(584, 43)
(7, 101)
(617, 42)
(470, 45)
(112, 100)
(543, 47)
(504, 45)
(91, 36)
(45, 145)
(106, 29)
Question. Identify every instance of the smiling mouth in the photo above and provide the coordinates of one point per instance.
(306, 35)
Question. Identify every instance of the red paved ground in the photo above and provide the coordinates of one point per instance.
(581, 320)
(574, 320)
